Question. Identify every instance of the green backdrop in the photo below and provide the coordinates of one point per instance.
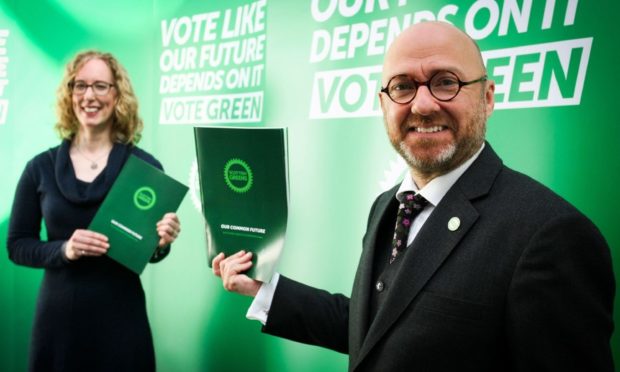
(312, 66)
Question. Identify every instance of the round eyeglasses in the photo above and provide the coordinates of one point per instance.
(100, 88)
(444, 86)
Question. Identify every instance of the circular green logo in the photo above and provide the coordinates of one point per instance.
(144, 198)
(238, 175)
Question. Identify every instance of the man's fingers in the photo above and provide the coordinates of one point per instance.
(231, 270)
(230, 265)
(215, 264)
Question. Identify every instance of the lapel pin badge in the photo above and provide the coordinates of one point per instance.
(454, 223)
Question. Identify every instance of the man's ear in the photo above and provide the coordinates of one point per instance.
(381, 98)
(489, 96)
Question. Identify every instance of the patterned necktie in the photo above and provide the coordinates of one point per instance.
(410, 207)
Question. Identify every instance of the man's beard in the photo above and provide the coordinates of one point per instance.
(428, 166)
(454, 154)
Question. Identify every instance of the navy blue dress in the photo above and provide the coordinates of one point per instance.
(91, 313)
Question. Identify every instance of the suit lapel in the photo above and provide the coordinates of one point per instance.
(362, 285)
(432, 246)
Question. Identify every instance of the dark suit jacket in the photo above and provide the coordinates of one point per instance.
(524, 284)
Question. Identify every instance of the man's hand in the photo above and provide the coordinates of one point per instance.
(231, 270)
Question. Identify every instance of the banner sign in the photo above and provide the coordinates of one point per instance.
(212, 66)
(350, 39)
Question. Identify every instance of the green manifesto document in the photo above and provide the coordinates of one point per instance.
(128, 216)
(244, 190)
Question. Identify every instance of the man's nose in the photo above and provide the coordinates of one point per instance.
(424, 103)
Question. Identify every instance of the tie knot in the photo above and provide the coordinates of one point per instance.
(411, 200)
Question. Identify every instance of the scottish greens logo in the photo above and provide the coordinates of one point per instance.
(238, 175)
(144, 198)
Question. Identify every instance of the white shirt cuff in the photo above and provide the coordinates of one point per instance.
(259, 309)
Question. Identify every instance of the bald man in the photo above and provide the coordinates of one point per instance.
(498, 273)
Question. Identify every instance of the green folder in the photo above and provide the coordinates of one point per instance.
(128, 216)
(244, 189)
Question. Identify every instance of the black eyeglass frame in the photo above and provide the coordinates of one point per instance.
(71, 85)
(427, 83)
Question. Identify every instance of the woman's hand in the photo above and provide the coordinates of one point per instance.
(168, 228)
(86, 243)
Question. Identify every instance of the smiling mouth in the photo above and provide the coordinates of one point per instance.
(91, 109)
(435, 129)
